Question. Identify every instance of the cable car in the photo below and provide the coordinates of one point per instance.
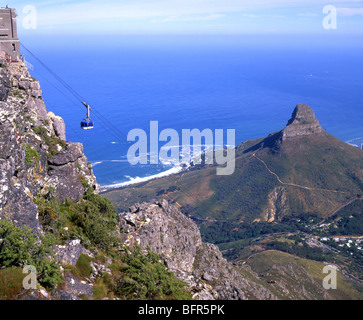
(87, 124)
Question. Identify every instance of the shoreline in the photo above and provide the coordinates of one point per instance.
(137, 180)
(173, 171)
(176, 169)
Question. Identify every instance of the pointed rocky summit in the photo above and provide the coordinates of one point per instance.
(302, 123)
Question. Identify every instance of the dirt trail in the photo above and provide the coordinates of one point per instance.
(293, 184)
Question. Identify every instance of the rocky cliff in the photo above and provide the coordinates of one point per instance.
(36, 162)
(35, 157)
(166, 231)
(302, 123)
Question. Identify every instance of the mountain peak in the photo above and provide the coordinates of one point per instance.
(302, 123)
(302, 114)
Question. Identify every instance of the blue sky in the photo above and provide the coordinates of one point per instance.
(190, 16)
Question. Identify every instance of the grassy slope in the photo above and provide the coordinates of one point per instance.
(262, 263)
(322, 163)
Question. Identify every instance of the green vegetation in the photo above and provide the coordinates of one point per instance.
(93, 220)
(84, 181)
(225, 232)
(51, 141)
(169, 190)
(230, 231)
(303, 251)
(135, 275)
(349, 221)
(83, 268)
(311, 175)
(145, 277)
(18, 94)
(11, 283)
(302, 180)
(240, 194)
(226, 208)
(350, 257)
(31, 155)
(99, 291)
(20, 247)
(295, 244)
(270, 262)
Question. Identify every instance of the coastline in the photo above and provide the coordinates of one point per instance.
(356, 142)
(176, 169)
(137, 180)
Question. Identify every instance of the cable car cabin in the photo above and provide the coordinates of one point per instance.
(87, 124)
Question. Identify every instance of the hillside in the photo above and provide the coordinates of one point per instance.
(52, 218)
(260, 274)
(289, 190)
(297, 171)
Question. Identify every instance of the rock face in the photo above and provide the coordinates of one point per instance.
(63, 171)
(27, 134)
(277, 205)
(302, 123)
(58, 125)
(166, 231)
(76, 288)
(68, 253)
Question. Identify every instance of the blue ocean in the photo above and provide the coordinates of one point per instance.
(247, 83)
